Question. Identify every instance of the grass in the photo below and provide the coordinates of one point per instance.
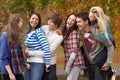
(115, 64)
(60, 57)
(0, 76)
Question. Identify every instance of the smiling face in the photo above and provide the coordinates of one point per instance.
(92, 16)
(70, 21)
(52, 25)
(81, 23)
(34, 20)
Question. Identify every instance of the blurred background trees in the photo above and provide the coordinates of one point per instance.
(62, 7)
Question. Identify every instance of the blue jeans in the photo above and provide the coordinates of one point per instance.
(35, 72)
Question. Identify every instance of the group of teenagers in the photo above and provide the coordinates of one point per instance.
(41, 41)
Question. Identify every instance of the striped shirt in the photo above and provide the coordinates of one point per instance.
(37, 41)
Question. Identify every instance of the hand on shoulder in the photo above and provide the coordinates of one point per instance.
(59, 32)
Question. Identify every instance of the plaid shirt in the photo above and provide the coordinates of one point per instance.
(71, 44)
(17, 58)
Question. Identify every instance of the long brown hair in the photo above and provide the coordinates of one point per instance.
(66, 32)
(12, 28)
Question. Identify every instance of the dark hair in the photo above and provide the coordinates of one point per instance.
(84, 16)
(66, 32)
(55, 18)
(39, 23)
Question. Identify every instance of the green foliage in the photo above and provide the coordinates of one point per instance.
(62, 7)
(15, 6)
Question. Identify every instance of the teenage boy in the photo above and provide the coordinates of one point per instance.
(94, 53)
(54, 38)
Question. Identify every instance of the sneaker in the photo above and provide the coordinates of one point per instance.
(114, 74)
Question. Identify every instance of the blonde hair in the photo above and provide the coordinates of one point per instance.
(102, 19)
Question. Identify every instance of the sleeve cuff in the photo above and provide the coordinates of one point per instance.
(47, 65)
(5, 62)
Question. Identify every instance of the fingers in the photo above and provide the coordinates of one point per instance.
(47, 69)
(86, 35)
(105, 68)
(27, 66)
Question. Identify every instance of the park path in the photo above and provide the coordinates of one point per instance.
(61, 71)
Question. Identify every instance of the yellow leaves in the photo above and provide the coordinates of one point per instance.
(116, 36)
(118, 2)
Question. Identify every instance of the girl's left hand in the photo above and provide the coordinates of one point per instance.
(86, 35)
(92, 41)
